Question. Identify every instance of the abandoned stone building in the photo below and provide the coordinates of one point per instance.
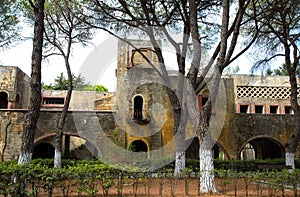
(138, 116)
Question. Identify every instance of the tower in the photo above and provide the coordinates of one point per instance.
(144, 110)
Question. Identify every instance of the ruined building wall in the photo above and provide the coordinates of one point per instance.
(16, 84)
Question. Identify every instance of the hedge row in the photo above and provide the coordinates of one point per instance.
(91, 177)
(241, 165)
(234, 165)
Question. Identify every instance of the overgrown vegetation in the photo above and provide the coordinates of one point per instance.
(91, 177)
(79, 83)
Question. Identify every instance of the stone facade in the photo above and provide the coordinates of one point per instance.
(258, 118)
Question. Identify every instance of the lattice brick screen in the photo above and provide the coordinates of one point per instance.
(264, 92)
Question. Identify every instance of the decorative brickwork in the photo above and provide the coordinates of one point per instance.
(264, 92)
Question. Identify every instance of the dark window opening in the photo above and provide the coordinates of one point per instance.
(204, 100)
(53, 101)
(288, 110)
(259, 109)
(138, 108)
(3, 100)
(244, 108)
(273, 109)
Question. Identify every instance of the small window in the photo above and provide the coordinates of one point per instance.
(288, 110)
(259, 109)
(204, 100)
(138, 108)
(244, 108)
(53, 100)
(273, 109)
(136, 57)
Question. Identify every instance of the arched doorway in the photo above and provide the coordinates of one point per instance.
(44, 151)
(262, 148)
(3, 100)
(138, 146)
(138, 108)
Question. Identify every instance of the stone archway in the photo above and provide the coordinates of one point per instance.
(74, 146)
(192, 151)
(3, 100)
(138, 146)
(43, 150)
(262, 147)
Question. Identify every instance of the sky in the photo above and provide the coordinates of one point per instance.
(85, 60)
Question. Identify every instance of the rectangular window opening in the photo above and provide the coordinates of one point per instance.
(53, 100)
(273, 109)
(259, 109)
(288, 110)
(244, 108)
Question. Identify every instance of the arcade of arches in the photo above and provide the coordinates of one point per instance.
(255, 148)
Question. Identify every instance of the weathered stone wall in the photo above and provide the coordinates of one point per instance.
(239, 128)
(22, 90)
(16, 84)
(11, 124)
(243, 127)
(92, 116)
(91, 126)
(8, 81)
(83, 100)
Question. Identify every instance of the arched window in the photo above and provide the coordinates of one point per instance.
(138, 108)
(3, 100)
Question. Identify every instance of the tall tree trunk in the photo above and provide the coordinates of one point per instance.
(32, 116)
(61, 122)
(207, 178)
(294, 139)
(176, 103)
(180, 143)
(179, 132)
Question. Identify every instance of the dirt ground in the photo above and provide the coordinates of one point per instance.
(167, 187)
